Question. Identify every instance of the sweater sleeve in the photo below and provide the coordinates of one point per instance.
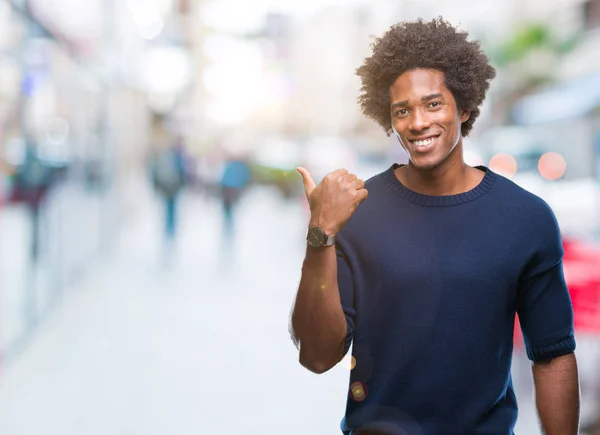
(346, 288)
(544, 304)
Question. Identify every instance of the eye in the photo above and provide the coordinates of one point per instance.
(434, 104)
(401, 112)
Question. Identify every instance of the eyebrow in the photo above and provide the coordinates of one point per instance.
(424, 99)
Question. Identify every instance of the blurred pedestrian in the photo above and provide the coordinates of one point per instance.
(425, 276)
(234, 181)
(168, 172)
(31, 182)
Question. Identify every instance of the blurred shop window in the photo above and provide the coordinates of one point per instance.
(591, 14)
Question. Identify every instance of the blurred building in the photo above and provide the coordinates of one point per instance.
(561, 113)
(82, 93)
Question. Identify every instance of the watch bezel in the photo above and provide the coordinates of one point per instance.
(316, 237)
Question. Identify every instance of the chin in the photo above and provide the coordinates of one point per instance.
(426, 164)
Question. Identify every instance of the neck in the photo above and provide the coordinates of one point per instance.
(451, 177)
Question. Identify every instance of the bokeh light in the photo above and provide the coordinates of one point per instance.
(57, 130)
(503, 164)
(552, 166)
(349, 362)
(472, 158)
(358, 391)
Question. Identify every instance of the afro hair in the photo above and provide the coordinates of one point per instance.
(433, 45)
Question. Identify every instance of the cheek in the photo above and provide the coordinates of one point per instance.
(396, 127)
(403, 144)
(452, 122)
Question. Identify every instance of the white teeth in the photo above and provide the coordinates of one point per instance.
(422, 143)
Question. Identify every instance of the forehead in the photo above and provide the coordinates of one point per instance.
(418, 83)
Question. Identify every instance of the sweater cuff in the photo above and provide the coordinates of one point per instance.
(561, 348)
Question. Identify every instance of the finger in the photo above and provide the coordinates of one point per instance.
(348, 178)
(307, 179)
(361, 195)
(338, 173)
(357, 184)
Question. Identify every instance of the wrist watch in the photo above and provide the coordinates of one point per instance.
(317, 237)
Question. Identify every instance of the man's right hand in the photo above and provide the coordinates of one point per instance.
(334, 200)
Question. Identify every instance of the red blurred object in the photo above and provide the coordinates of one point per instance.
(582, 272)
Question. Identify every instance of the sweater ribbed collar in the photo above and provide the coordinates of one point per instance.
(399, 189)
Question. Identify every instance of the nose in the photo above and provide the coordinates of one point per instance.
(419, 121)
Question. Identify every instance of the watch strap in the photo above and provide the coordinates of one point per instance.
(329, 240)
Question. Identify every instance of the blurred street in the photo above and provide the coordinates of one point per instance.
(197, 345)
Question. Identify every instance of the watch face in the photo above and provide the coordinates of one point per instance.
(316, 237)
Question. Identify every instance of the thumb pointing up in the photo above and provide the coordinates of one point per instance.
(307, 179)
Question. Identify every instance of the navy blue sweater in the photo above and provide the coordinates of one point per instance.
(430, 287)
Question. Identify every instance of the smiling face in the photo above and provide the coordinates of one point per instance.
(425, 118)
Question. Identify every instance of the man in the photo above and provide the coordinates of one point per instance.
(168, 173)
(425, 276)
(235, 180)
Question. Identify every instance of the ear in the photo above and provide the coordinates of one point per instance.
(465, 115)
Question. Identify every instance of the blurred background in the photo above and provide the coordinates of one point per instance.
(152, 225)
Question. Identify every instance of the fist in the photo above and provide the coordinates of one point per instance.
(333, 201)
